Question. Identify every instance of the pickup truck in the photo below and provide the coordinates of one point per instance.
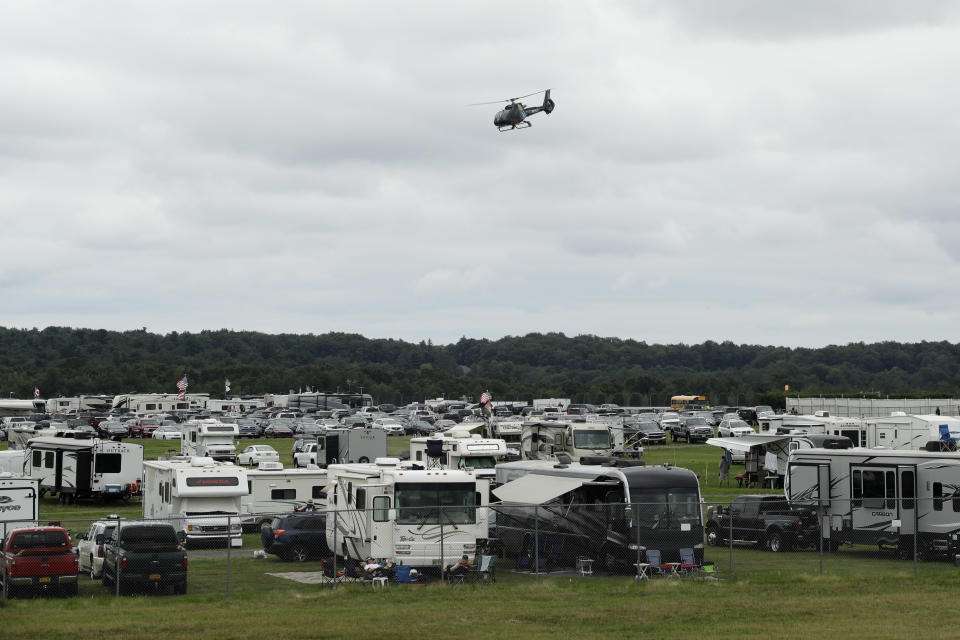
(306, 456)
(766, 520)
(39, 559)
(693, 429)
(146, 555)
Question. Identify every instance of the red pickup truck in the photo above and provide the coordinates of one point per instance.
(38, 559)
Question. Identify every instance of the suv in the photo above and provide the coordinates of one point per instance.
(90, 547)
(297, 537)
(145, 554)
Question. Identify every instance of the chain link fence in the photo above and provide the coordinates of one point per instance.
(455, 545)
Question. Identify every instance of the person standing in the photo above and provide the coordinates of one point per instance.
(725, 468)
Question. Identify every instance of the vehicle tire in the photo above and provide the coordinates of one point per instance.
(714, 539)
(776, 543)
(298, 553)
(180, 589)
(363, 460)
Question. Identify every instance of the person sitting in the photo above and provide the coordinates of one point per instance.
(458, 569)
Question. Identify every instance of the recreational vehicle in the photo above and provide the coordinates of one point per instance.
(14, 407)
(458, 450)
(611, 514)
(339, 446)
(415, 517)
(19, 500)
(902, 431)
(12, 461)
(546, 440)
(881, 497)
(197, 495)
(76, 404)
(766, 457)
(273, 490)
(235, 406)
(75, 468)
(209, 439)
(159, 402)
(820, 422)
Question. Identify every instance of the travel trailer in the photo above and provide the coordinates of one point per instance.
(390, 511)
(611, 514)
(92, 468)
(273, 490)
(197, 495)
(821, 422)
(902, 431)
(12, 461)
(209, 438)
(19, 500)
(892, 498)
(766, 457)
(159, 402)
(458, 450)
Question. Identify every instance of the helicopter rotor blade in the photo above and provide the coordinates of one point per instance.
(477, 104)
(528, 95)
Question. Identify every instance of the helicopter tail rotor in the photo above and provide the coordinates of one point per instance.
(548, 104)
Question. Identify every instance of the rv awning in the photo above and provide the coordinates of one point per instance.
(745, 443)
(537, 489)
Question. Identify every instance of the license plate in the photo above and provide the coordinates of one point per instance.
(44, 579)
(154, 576)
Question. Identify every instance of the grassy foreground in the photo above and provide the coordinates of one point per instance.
(798, 606)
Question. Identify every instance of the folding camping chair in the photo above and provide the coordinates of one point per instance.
(484, 569)
(406, 575)
(688, 563)
(551, 560)
(657, 566)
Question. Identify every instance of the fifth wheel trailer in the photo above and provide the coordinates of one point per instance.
(881, 497)
(75, 468)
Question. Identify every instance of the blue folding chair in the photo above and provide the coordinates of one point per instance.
(688, 562)
(657, 566)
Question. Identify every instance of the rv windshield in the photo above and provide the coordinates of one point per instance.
(420, 503)
(584, 439)
(208, 507)
(479, 462)
(665, 508)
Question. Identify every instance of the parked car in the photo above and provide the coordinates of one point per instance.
(112, 429)
(90, 546)
(144, 554)
(670, 422)
(418, 428)
(734, 428)
(297, 537)
(167, 432)
(257, 453)
(144, 427)
(38, 559)
(391, 426)
(248, 428)
(277, 431)
(651, 432)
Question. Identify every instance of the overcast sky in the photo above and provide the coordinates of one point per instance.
(749, 170)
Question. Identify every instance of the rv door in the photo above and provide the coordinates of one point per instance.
(908, 499)
(379, 524)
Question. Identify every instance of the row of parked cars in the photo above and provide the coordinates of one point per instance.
(125, 556)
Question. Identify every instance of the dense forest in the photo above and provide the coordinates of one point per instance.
(63, 361)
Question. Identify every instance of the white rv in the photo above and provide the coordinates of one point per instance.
(19, 499)
(78, 403)
(766, 457)
(236, 406)
(159, 402)
(273, 489)
(197, 495)
(209, 438)
(902, 431)
(387, 510)
(881, 497)
(12, 461)
(75, 468)
(546, 440)
(820, 422)
(458, 449)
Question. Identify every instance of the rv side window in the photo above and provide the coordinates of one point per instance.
(250, 487)
(166, 492)
(48, 460)
(891, 490)
(151, 407)
(381, 508)
(107, 463)
(361, 498)
(906, 489)
(419, 456)
(857, 492)
(938, 496)
(283, 494)
(316, 492)
(193, 436)
(37, 458)
(873, 489)
(349, 492)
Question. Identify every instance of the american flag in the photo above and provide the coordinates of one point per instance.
(485, 397)
(226, 383)
(182, 386)
(36, 392)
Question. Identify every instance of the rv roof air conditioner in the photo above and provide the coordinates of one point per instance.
(387, 462)
(201, 461)
(563, 461)
(898, 414)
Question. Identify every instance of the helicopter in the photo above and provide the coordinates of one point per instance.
(515, 115)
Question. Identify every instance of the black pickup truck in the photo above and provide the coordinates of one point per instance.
(145, 555)
(766, 520)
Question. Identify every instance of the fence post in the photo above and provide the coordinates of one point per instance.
(820, 526)
(334, 547)
(536, 541)
(635, 521)
(916, 531)
(116, 566)
(229, 545)
(730, 518)
(443, 574)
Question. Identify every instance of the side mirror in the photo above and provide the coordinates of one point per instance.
(392, 515)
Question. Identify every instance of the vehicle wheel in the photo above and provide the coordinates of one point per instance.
(776, 542)
(180, 589)
(714, 539)
(363, 460)
(298, 553)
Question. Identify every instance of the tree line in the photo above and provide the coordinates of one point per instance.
(63, 361)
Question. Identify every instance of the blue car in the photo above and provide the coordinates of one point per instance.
(297, 537)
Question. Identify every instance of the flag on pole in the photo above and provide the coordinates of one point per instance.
(485, 397)
(36, 392)
(226, 383)
(182, 386)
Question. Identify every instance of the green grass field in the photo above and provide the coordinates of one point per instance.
(860, 593)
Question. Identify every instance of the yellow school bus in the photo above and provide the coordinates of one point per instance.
(681, 403)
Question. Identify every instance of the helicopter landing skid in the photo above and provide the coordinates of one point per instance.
(522, 125)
